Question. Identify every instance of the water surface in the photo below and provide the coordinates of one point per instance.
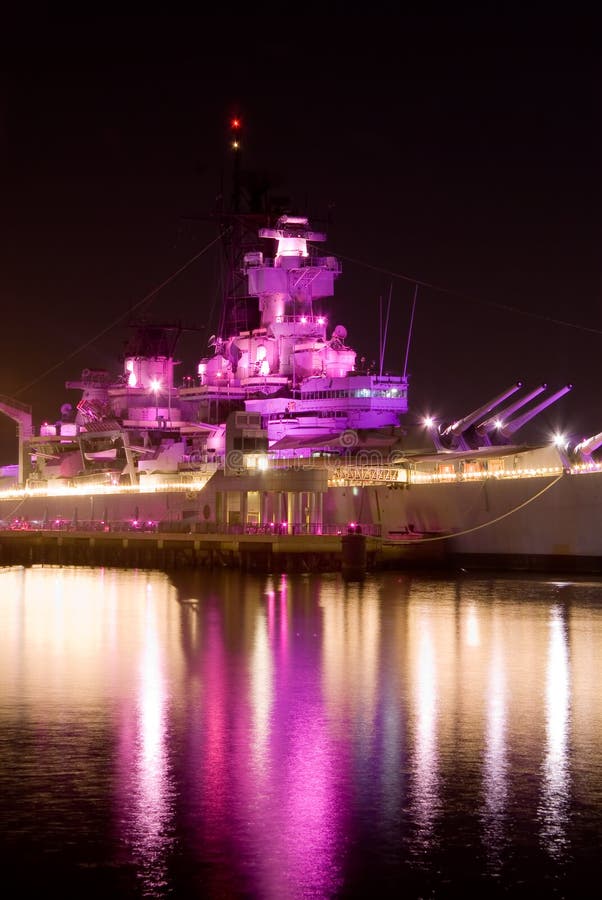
(226, 735)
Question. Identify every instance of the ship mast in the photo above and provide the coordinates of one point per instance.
(249, 209)
(230, 232)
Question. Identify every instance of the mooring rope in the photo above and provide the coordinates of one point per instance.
(455, 534)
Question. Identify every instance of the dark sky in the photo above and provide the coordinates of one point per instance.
(462, 151)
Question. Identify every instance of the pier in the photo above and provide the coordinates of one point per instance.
(265, 552)
(352, 551)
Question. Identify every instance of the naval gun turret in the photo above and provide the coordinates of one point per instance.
(457, 435)
(495, 423)
(582, 452)
(509, 429)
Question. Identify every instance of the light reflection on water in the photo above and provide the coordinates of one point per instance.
(220, 735)
(425, 768)
(555, 789)
(146, 798)
(495, 765)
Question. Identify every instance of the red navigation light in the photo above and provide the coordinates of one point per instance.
(235, 123)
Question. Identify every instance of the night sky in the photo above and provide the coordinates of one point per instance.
(462, 151)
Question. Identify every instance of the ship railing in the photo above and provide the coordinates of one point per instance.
(305, 262)
(300, 320)
(63, 525)
(416, 477)
(370, 529)
(342, 471)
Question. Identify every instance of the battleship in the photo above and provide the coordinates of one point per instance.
(283, 428)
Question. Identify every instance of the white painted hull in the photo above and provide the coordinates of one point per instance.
(513, 518)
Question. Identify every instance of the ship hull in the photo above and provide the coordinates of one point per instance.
(525, 523)
(514, 523)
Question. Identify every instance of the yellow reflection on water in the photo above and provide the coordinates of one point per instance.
(151, 808)
(350, 652)
(425, 712)
(472, 627)
(495, 769)
(144, 654)
(556, 775)
(80, 645)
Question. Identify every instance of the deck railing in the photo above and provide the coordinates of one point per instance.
(271, 529)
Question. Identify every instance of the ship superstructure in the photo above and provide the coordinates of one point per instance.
(295, 369)
(294, 374)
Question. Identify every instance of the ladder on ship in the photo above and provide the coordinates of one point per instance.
(303, 278)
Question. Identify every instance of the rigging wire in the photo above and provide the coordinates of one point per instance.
(405, 364)
(462, 295)
(455, 534)
(125, 315)
(398, 275)
(384, 337)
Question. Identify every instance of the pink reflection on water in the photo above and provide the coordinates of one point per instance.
(287, 782)
(310, 841)
(283, 616)
(261, 694)
(215, 707)
(214, 774)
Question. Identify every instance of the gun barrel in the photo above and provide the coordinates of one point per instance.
(499, 418)
(513, 426)
(457, 428)
(587, 446)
